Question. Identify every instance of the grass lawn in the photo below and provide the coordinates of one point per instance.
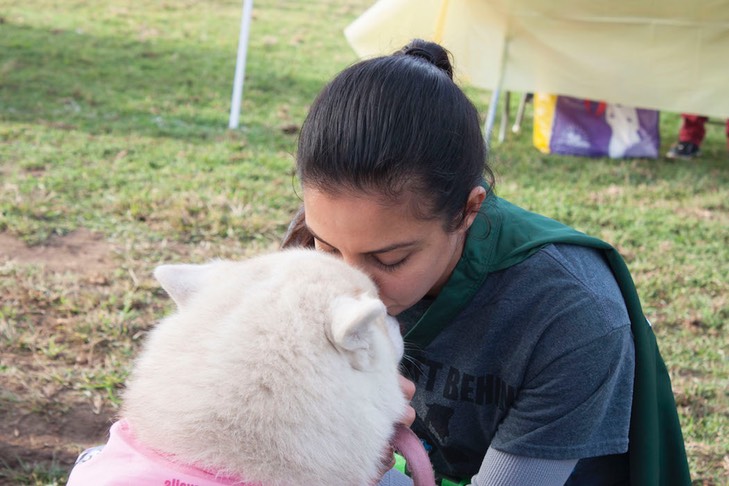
(115, 157)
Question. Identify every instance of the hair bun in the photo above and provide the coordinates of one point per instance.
(434, 53)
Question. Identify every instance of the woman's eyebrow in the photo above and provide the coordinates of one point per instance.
(385, 249)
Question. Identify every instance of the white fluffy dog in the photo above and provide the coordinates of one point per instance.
(278, 370)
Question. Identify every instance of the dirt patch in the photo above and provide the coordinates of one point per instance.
(29, 439)
(45, 421)
(81, 251)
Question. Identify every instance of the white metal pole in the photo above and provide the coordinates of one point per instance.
(240, 64)
(491, 114)
(520, 113)
(504, 116)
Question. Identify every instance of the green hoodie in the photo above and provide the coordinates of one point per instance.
(508, 235)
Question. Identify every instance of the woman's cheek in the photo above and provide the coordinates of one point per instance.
(397, 293)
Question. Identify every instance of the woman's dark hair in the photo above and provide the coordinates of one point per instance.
(393, 124)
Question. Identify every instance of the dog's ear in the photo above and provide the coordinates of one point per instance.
(352, 327)
(182, 281)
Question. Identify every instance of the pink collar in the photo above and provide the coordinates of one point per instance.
(124, 459)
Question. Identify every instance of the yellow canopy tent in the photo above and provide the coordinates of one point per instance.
(668, 55)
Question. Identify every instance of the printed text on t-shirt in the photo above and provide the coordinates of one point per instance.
(456, 385)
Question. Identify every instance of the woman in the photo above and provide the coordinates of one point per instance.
(521, 341)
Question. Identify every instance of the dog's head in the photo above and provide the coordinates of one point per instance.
(280, 369)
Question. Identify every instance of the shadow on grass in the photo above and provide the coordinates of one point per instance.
(119, 85)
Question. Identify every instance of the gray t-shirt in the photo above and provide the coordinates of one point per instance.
(539, 364)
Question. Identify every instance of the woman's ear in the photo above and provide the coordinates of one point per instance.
(473, 205)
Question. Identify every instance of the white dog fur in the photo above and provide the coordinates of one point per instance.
(280, 369)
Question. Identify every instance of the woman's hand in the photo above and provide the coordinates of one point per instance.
(408, 389)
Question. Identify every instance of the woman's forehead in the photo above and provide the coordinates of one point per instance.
(362, 220)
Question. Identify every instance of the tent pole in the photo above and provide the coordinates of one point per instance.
(491, 114)
(240, 65)
(504, 116)
(520, 113)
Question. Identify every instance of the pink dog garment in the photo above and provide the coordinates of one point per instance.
(125, 462)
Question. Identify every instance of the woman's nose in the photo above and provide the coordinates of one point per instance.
(351, 260)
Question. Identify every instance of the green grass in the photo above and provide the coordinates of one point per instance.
(113, 119)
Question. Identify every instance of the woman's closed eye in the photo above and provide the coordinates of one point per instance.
(389, 266)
